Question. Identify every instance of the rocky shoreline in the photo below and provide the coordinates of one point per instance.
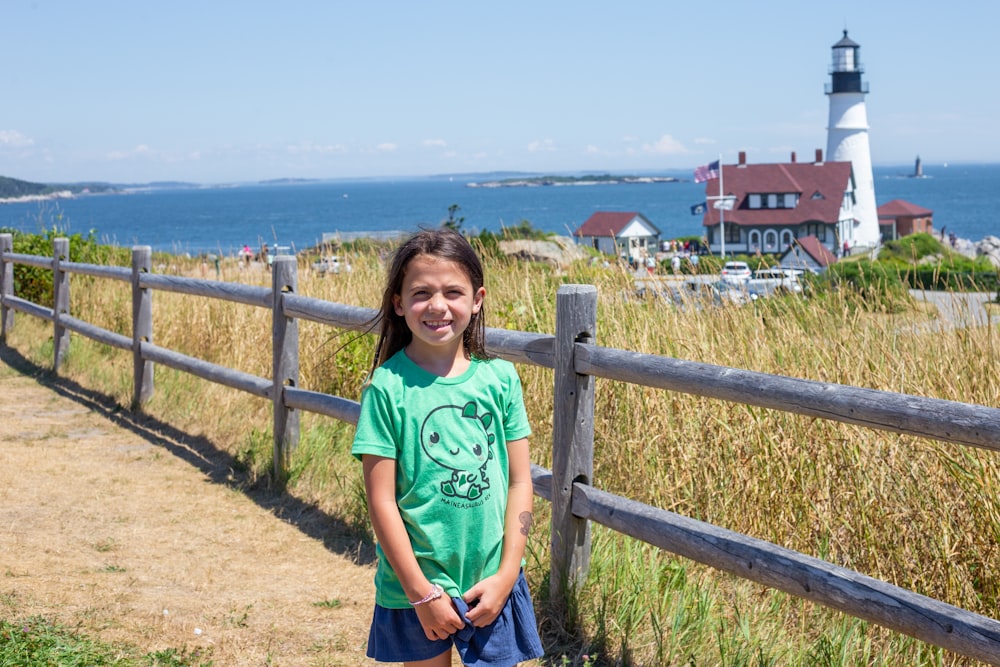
(62, 194)
(988, 247)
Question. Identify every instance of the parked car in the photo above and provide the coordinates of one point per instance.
(721, 292)
(769, 281)
(331, 264)
(735, 272)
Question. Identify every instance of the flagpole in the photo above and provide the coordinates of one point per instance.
(722, 212)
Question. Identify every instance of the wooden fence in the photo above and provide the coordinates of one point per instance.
(576, 360)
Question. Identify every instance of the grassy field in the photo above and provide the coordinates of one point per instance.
(917, 513)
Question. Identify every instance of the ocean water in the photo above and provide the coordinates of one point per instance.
(223, 219)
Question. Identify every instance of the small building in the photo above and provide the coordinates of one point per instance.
(807, 254)
(769, 206)
(901, 218)
(627, 234)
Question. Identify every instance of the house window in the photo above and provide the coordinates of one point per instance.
(754, 240)
(786, 238)
(786, 200)
(772, 201)
(770, 241)
(732, 234)
(816, 229)
(754, 201)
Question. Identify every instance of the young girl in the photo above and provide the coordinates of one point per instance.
(442, 437)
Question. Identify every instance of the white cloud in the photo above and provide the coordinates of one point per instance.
(386, 147)
(665, 145)
(592, 150)
(704, 140)
(434, 143)
(140, 150)
(15, 139)
(322, 149)
(545, 145)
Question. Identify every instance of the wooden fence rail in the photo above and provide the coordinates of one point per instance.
(576, 360)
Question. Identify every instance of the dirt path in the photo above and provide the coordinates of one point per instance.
(129, 531)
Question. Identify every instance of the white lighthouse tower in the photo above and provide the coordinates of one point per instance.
(847, 138)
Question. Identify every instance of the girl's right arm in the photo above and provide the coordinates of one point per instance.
(438, 617)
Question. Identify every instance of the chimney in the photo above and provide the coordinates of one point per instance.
(819, 156)
(743, 158)
(793, 157)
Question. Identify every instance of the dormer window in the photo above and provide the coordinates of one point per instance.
(774, 200)
(817, 195)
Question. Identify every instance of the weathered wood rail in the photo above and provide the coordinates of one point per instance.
(576, 360)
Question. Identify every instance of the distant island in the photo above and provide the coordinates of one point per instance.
(14, 190)
(540, 181)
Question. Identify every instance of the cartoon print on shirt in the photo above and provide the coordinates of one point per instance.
(459, 439)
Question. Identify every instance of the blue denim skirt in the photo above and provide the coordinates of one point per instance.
(397, 636)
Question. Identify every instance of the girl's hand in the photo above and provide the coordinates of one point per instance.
(486, 600)
(439, 618)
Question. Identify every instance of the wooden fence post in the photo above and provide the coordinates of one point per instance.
(142, 326)
(285, 352)
(572, 439)
(60, 287)
(6, 286)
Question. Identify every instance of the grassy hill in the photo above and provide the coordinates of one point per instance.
(12, 187)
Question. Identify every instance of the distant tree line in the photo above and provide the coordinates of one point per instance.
(12, 187)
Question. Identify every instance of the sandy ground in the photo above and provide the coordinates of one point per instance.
(130, 531)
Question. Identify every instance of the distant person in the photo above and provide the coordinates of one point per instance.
(675, 264)
(694, 263)
(443, 440)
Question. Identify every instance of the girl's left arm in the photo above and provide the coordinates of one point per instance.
(490, 594)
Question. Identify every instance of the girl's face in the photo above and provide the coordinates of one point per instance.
(437, 301)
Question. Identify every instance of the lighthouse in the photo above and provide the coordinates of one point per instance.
(847, 139)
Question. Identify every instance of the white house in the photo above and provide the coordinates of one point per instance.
(627, 234)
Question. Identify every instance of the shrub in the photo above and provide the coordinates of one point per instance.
(35, 283)
(879, 283)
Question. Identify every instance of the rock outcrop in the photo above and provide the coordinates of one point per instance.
(559, 251)
(990, 247)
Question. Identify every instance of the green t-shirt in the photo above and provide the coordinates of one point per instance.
(449, 439)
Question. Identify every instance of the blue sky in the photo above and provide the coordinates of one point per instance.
(220, 91)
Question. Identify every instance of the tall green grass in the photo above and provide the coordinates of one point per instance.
(36, 641)
(917, 513)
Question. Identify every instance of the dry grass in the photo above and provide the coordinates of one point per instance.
(917, 513)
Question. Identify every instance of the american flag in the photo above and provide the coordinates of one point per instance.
(706, 172)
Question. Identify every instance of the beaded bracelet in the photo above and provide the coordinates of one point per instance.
(435, 593)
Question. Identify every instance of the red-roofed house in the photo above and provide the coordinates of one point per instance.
(627, 233)
(775, 204)
(901, 218)
(807, 254)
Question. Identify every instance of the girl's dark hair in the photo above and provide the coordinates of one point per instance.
(442, 243)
